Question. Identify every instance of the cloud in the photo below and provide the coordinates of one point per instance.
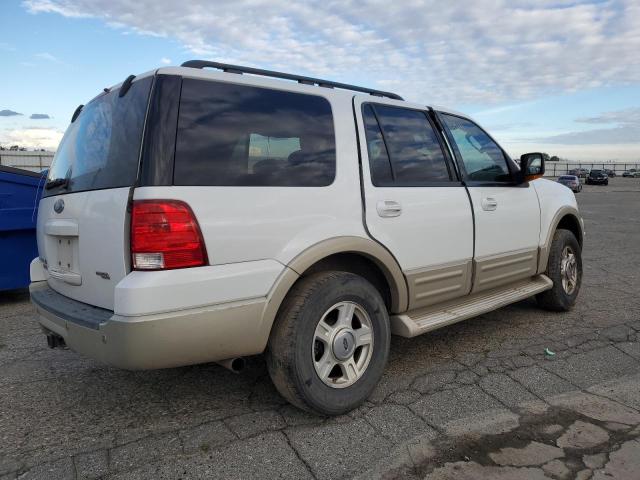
(33, 137)
(7, 47)
(165, 60)
(8, 113)
(629, 116)
(482, 52)
(622, 134)
(627, 130)
(49, 57)
(39, 116)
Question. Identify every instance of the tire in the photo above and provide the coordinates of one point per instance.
(561, 297)
(298, 359)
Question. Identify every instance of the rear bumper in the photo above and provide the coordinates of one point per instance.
(146, 342)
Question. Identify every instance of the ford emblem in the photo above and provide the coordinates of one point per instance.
(58, 207)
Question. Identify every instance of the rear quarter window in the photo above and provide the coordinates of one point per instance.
(238, 135)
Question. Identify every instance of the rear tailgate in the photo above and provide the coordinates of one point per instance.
(83, 224)
(86, 245)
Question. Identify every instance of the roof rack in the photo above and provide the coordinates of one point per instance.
(287, 76)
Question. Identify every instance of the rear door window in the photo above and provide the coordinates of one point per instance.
(403, 147)
(237, 135)
(101, 149)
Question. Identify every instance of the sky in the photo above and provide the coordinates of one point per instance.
(559, 76)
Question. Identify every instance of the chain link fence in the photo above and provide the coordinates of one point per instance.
(555, 169)
(32, 161)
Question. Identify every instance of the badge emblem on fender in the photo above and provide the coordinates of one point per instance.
(58, 207)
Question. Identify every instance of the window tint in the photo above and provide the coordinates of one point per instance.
(102, 147)
(408, 140)
(482, 158)
(378, 157)
(235, 135)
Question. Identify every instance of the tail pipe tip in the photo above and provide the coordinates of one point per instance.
(236, 365)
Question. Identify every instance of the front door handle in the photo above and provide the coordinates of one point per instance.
(388, 208)
(489, 204)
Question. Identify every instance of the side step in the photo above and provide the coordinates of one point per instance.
(424, 320)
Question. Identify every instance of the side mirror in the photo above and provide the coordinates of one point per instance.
(531, 166)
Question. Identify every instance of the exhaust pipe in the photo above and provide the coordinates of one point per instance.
(55, 341)
(236, 365)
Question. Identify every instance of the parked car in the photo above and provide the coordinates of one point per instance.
(194, 215)
(597, 177)
(578, 172)
(610, 173)
(632, 173)
(571, 181)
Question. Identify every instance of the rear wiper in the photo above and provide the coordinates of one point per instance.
(57, 182)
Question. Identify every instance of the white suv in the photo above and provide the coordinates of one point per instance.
(208, 212)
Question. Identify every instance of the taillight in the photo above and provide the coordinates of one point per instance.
(165, 235)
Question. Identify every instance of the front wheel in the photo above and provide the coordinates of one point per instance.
(330, 343)
(564, 268)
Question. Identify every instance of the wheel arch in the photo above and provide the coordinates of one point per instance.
(352, 254)
(566, 218)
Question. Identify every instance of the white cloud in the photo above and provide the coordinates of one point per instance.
(629, 116)
(165, 61)
(32, 137)
(625, 131)
(486, 51)
(49, 57)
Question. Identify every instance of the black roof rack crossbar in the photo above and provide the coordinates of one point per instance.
(287, 76)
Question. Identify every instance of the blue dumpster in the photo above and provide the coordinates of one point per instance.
(20, 192)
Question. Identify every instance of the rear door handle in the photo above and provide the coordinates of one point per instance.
(388, 208)
(489, 204)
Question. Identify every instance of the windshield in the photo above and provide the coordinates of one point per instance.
(101, 148)
(596, 172)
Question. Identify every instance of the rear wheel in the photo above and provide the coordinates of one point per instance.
(330, 343)
(564, 268)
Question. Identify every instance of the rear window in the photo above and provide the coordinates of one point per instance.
(237, 135)
(101, 149)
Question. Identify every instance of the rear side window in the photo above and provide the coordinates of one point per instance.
(237, 135)
(101, 148)
(403, 147)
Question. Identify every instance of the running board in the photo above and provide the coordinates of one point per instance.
(417, 322)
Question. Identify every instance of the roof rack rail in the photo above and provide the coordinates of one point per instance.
(287, 76)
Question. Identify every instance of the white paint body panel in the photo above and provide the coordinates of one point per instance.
(514, 224)
(552, 198)
(435, 226)
(144, 293)
(95, 224)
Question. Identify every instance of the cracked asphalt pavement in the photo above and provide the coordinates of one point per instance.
(479, 399)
